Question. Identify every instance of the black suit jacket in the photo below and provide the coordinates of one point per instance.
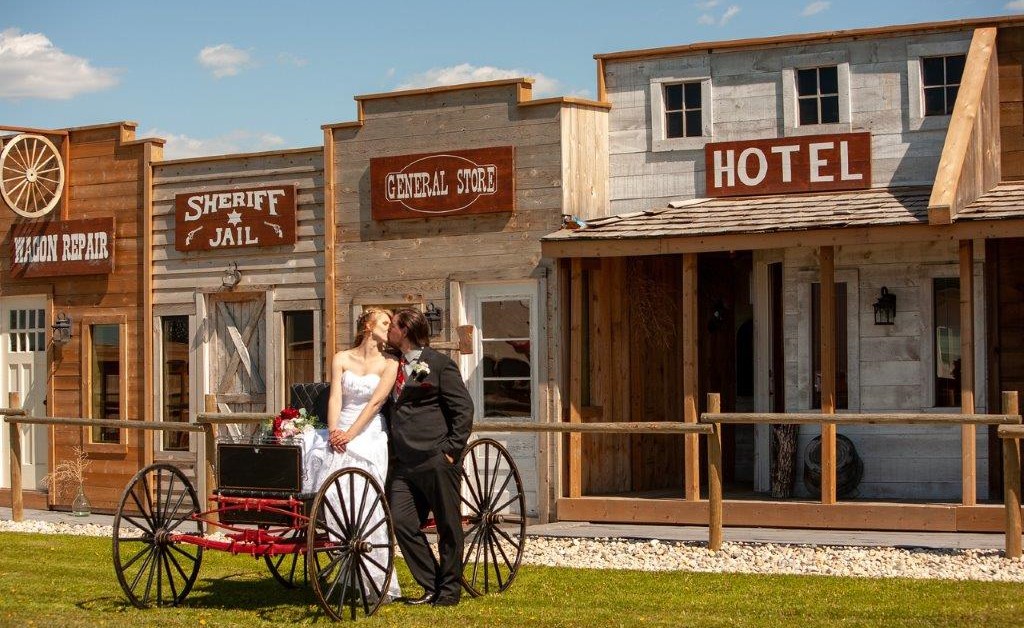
(433, 415)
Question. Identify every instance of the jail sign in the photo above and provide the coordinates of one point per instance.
(62, 247)
(475, 181)
(811, 163)
(244, 217)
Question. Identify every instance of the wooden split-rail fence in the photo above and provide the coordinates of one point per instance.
(709, 425)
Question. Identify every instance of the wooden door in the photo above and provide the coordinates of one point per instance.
(238, 364)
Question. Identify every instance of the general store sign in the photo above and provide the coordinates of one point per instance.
(811, 163)
(476, 181)
(59, 248)
(227, 219)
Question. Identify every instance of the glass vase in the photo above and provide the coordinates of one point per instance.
(80, 506)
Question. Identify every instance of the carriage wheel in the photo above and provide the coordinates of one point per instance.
(290, 569)
(152, 568)
(31, 175)
(350, 551)
(493, 507)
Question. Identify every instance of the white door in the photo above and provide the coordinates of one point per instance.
(23, 339)
(503, 368)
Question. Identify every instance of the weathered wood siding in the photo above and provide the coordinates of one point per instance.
(747, 103)
(890, 367)
(424, 260)
(106, 174)
(1010, 50)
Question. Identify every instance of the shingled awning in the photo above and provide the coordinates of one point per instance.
(757, 222)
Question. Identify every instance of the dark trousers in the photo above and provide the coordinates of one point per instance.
(414, 491)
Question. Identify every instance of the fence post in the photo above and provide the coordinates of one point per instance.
(17, 498)
(210, 438)
(715, 475)
(1011, 481)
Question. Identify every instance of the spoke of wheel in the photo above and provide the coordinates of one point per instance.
(375, 527)
(359, 521)
(147, 492)
(40, 177)
(142, 569)
(54, 169)
(17, 156)
(497, 568)
(345, 560)
(18, 176)
(142, 509)
(34, 151)
(193, 558)
(362, 533)
(17, 201)
(342, 577)
(469, 484)
(152, 568)
(166, 514)
(507, 502)
(177, 566)
(478, 493)
(43, 159)
(339, 519)
(373, 582)
(172, 512)
(497, 494)
(507, 537)
(170, 578)
(494, 475)
(476, 559)
(159, 576)
(501, 550)
(135, 523)
(127, 565)
(363, 597)
(374, 561)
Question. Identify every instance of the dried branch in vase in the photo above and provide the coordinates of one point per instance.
(69, 474)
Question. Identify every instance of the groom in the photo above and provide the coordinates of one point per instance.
(429, 423)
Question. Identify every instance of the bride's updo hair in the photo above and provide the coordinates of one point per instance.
(366, 321)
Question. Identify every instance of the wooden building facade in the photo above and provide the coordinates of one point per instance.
(764, 191)
(498, 170)
(75, 219)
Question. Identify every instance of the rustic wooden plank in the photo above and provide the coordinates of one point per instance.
(14, 442)
(330, 256)
(967, 432)
(576, 377)
(120, 423)
(690, 383)
(715, 476)
(828, 372)
(620, 429)
(1007, 421)
(1011, 481)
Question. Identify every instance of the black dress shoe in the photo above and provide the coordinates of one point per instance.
(426, 598)
(445, 601)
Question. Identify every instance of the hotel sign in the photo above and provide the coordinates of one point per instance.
(810, 163)
(461, 182)
(229, 219)
(59, 248)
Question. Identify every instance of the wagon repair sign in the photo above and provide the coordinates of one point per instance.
(476, 181)
(226, 219)
(59, 248)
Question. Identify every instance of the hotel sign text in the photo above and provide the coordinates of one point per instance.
(459, 182)
(811, 163)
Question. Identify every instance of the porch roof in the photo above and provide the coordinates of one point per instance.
(849, 217)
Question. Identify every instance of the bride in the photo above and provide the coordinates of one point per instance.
(361, 380)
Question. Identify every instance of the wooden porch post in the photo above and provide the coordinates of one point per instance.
(715, 476)
(211, 450)
(1011, 481)
(828, 373)
(576, 378)
(691, 447)
(967, 432)
(17, 499)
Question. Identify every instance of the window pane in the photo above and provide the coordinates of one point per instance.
(105, 383)
(40, 341)
(828, 80)
(693, 124)
(934, 101)
(946, 297)
(951, 93)
(32, 319)
(505, 319)
(693, 95)
(22, 323)
(507, 398)
(808, 111)
(932, 71)
(175, 379)
(41, 317)
(829, 109)
(674, 125)
(673, 97)
(955, 69)
(807, 82)
(506, 358)
(299, 365)
(31, 341)
(14, 319)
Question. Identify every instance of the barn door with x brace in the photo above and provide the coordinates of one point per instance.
(238, 356)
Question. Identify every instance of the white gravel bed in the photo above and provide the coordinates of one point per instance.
(753, 558)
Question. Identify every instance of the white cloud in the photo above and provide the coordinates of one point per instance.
(708, 4)
(32, 67)
(818, 7)
(180, 146)
(224, 60)
(287, 58)
(390, 73)
(1016, 5)
(708, 19)
(467, 73)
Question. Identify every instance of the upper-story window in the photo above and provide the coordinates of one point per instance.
(683, 110)
(818, 95)
(940, 78)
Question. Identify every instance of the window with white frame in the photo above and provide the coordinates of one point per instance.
(817, 93)
(940, 82)
(683, 110)
(680, 112)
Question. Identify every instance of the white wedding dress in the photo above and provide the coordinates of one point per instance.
(367, 451)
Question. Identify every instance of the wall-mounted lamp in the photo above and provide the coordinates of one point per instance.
(435, 318)
(231, 276)
(885, 308)
(61, 329)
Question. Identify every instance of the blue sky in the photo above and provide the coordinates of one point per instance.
(218, 77)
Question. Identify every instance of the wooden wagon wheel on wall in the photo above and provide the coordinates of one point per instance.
(31, 175)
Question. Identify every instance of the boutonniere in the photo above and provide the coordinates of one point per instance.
(420, 370)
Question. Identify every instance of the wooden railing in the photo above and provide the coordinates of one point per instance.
(1010, 429)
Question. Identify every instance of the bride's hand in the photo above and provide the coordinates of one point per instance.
(338, 440)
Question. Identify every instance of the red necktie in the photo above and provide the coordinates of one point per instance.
(400, 380)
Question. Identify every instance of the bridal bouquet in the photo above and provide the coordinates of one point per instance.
(292, 422)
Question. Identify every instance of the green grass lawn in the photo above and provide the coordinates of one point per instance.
(69, 581)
